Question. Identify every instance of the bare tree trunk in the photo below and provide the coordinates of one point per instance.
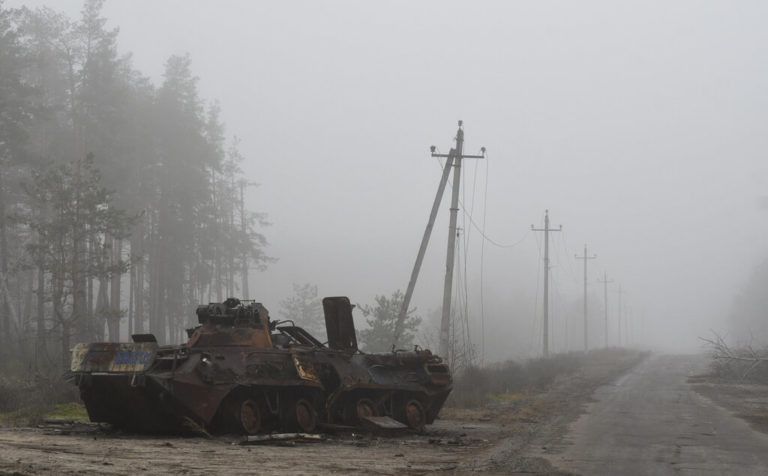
(115, 309)
(139, 292)
(89, 299)
(42, 351)
(58, 295)
(102, 298)
(157, 287)
(131, 287)
(78, 271)
(217, 265)
(66, 357)
(25, 314)
(245, 292)
(231, 252)
(4, 304)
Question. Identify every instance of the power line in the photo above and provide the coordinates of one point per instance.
(482, 231)
(571, 270)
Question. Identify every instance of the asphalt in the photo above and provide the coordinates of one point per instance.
(650, 421)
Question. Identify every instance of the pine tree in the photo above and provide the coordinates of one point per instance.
(382, 319)
(71, 199)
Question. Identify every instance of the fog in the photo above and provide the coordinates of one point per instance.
(640, 126)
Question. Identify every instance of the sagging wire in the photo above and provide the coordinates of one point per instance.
(477, 227)
(460, 318)
(571, 269)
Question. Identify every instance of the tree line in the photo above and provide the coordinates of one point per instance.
(121, 201)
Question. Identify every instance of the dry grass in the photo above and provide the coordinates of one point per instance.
(512, 381)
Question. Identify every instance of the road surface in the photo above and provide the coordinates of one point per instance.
(650, 421)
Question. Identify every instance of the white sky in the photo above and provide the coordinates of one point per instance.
(640, 125)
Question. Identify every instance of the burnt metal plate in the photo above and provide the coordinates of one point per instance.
(339, 325)
(383, 422)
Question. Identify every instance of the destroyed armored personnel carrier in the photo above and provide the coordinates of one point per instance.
(241, 372)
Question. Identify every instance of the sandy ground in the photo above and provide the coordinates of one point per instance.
(499, 438)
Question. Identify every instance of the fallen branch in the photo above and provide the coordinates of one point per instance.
(721, 351)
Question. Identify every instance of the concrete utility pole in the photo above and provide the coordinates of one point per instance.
(445, 323)
(620, 314)
(585, 258)
(605, 282)
(546, 230)
(453, 159)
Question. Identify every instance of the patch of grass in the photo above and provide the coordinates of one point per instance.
(36, 414)
(72, 411)
(506, 397)
(466, 414)
(21, 417)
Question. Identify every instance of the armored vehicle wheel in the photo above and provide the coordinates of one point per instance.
(248, 417)
(357, 409)
(302, 416)
(414, 415)
(366, 408)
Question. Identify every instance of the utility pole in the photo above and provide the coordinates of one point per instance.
(445, 323)
(605, 282)
(546, 230)
(453, 159)
(620, 315)
(585, 258)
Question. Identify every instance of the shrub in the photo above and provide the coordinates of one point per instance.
(24, 398)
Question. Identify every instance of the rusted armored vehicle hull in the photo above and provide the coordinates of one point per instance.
(240, 372)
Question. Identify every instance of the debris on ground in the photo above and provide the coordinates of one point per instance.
(282, 438)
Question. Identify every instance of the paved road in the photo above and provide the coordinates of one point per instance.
(651, 422)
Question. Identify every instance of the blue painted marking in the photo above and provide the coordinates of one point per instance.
(132, 357)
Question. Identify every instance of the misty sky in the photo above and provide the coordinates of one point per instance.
(641, 126)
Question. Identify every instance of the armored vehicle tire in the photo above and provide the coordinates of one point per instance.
(366, 408)
(248, 416)
(413, 414)
(301, 416)
(356, 410)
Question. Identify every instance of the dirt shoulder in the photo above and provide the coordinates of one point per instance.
(748, 401)
(493, 439)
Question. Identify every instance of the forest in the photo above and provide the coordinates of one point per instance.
(122, 202)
